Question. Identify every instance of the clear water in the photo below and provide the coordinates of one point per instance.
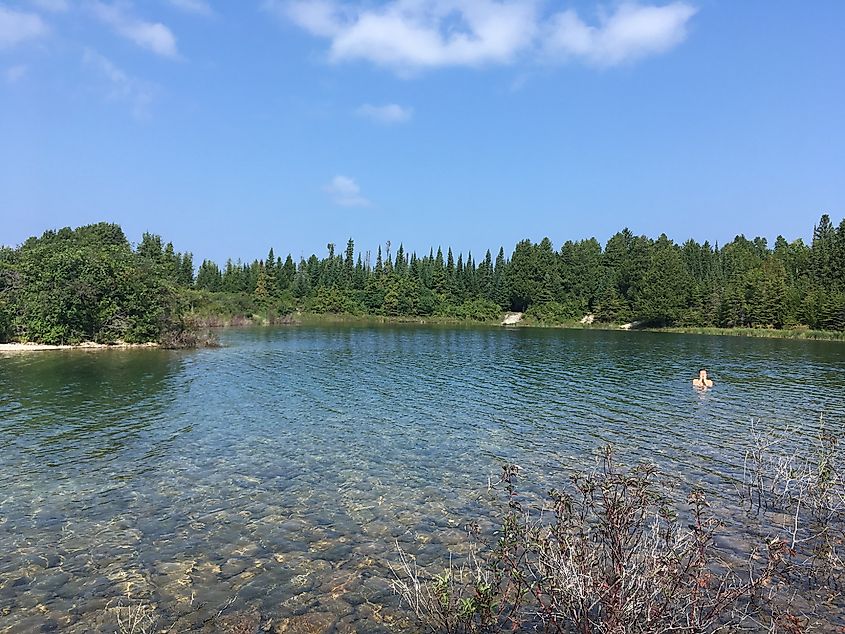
(274, 476)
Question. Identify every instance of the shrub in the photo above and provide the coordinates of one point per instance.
(553, 313)
(607, 553)
(476, 310)
(804, 490)
(334, 300)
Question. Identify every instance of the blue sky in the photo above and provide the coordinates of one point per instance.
(230, 127)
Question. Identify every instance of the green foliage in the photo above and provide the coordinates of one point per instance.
(335, 300)
(475, 310)
(661, 292)
(89, 283)
(553, 313)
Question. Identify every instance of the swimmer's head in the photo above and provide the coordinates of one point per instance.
(702, 374)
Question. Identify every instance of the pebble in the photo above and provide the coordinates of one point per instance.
(233, 567)
(311, 623)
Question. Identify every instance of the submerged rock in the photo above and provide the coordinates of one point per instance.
(233, 567)
(240, 623)
(311, 623)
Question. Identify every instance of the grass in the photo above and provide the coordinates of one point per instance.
(767, 333)
(800, 333)
(309, 318)
(347, 318)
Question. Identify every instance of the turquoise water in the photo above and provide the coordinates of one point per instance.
(273, 477)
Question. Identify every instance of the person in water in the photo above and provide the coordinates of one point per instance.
(702, 381)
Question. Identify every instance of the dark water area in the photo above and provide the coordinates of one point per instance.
(275, 475)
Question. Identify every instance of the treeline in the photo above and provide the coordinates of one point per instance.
(91, 284)
(746, 283)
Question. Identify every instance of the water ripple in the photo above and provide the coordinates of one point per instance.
(281, 469)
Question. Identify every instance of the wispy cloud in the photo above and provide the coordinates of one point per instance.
(344, 191)
(630, 33)
(19, 26)
(197, 7)
(410, 35)
(153, 36)
(52, 6)
(121, 86)
(14, 74)
(388, 114)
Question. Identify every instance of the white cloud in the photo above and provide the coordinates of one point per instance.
(319, 17)
(153, 36)
(345, 192)
(19, 26)
(121, 86)
(14, 74)
(410, 35)
(197, 7)
(388, 114)
(52, 6)
(630, 33)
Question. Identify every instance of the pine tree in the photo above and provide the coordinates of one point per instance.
(287, 274)
(301, 284)
(209, 277)
(261, 293)
(485, 276)
(501, 282)
(186, 270)
(662, 292)
(439, 278)
(401, 266)
(349, 263)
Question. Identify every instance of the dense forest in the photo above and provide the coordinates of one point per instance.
(91, 284)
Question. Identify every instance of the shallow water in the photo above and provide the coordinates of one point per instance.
(273, 477)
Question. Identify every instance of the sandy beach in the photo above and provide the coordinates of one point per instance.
(88, 345)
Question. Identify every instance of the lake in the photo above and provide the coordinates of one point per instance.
(275, 475)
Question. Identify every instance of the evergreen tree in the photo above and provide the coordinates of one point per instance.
(501, 282)
(262, 292)
(349, 263)
(209, 277)
(379, 271)
(661, 295)
(287, 274)
(186, 270)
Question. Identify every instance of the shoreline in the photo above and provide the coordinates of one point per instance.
(316, 319)
(312, 319)
(87, 345)
(759, 333)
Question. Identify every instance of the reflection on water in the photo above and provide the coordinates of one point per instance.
(279, 472)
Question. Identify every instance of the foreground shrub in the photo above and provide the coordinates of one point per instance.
(803, 490)
(607, 553)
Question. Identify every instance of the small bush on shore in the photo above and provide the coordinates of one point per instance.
(553, 313)
(188, 338)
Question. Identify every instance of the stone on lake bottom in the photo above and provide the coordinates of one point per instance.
(311, 623)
